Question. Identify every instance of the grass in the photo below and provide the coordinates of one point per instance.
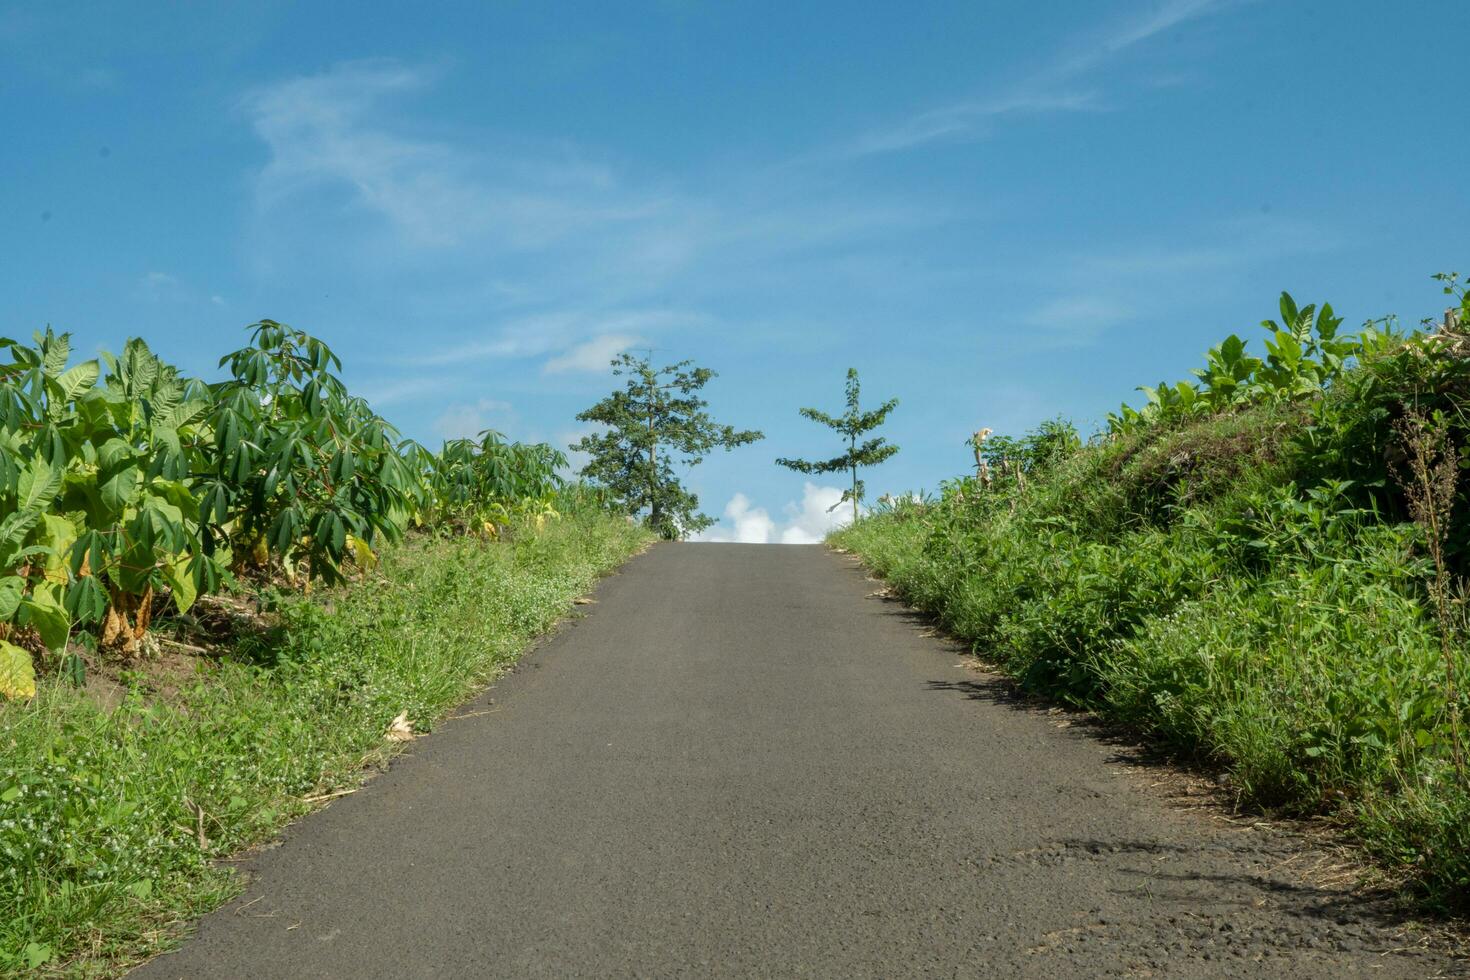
(1219, 587)
(112, 817)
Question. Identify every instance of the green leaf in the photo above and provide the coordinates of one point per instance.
(180, 578)
(77, 381)
(57, 534)
(39, 484)
(12, 589)
(46, 612)
(85, 600)
(36, 955)
(17, 675)
(74, 670)
(119, 490)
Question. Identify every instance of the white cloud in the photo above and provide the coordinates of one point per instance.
(156, 285)
(592, 355)
(818, 513)
(966, 119)
(807, 522)
(752, 525)
(468, 421)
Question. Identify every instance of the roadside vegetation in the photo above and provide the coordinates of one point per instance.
(1263, 567)
(219, 602)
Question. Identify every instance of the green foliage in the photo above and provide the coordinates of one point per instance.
(656, 421)
(473, 483)
(100, 841)
(851, 424)
(1305, 355)
(1247, 571)
(298, 466)
(121, 486)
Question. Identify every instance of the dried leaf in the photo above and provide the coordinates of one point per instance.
(400, 729)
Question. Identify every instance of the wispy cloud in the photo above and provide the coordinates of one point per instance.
(574, 337)
(1056, 87)
(1075, 321)
(967, 120)
(466, 421)
(496, 248)
(593, 355)
(383, 392)
(327, 131)
(1147, 279)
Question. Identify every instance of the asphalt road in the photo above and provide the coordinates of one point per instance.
(740, 763)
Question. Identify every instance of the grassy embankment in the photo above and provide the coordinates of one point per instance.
(111, 814)
(1267, 583)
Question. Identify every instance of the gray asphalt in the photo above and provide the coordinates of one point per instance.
(741, 763)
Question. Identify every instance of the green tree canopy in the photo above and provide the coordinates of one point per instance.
(852, 424)
(656, 421)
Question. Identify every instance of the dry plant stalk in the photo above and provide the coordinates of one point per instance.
(982, 468)
(1429, 485)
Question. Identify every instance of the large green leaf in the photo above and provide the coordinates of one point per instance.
(13, 531)
(180, 579)
(119, 489)
(17, 676)
(39, 484)
(58, 535)
(77, 381)
(12, 588)
(183, 414)
(46, 611)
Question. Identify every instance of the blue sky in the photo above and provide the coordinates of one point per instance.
(997, 212)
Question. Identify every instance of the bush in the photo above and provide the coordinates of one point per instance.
(1260, 570)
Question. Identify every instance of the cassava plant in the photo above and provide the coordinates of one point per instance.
(103, 514)
(301, 472)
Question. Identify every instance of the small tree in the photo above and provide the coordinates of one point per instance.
(852, 424)
(654, 418)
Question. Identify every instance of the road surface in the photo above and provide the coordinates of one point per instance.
(742, 763)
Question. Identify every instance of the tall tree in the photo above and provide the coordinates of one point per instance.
(654, 422)
(852, 423)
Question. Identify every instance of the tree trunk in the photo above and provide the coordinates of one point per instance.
(654, 512)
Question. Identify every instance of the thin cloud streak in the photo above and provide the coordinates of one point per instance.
(1043, 92)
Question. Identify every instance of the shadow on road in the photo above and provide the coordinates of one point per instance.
(1303, 869)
